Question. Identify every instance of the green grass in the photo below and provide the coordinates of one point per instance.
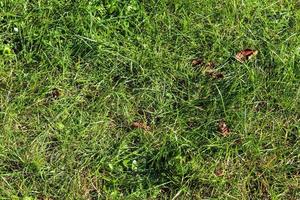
(74, 75)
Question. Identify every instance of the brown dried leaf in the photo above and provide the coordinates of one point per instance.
(223, 128)
(52, 95)
(210, 65)
(55, 93)
(218, 75)
(197, 62)
(215, 74)
(245, 55)
(141, 125)
(210, 71)
(219, 172)
(208, 68)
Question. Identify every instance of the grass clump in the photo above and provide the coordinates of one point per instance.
(99, 100)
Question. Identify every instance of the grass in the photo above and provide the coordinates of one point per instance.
(74, 76)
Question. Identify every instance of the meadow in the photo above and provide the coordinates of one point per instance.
(144, 99)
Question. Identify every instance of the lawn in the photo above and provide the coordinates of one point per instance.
(144, 99)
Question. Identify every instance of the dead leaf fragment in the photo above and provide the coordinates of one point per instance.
(215, 74)
(197, 62)
(52, 95)
(219, 172)
(55, 93)
(218, 75)
(212, 72)
(210, 65)
(223, 128)
(207, 68)
(245, 55)
(140, 125)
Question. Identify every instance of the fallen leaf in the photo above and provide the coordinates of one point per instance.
(210, 65)
(197, 62)
(208, 68)
(218, 75)
(219, 172)
(223, 128)
(141, 125)
(55, 93)
(210, 71)
(215, 74)
(245, 55)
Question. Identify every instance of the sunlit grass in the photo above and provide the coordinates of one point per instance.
(75, 75)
